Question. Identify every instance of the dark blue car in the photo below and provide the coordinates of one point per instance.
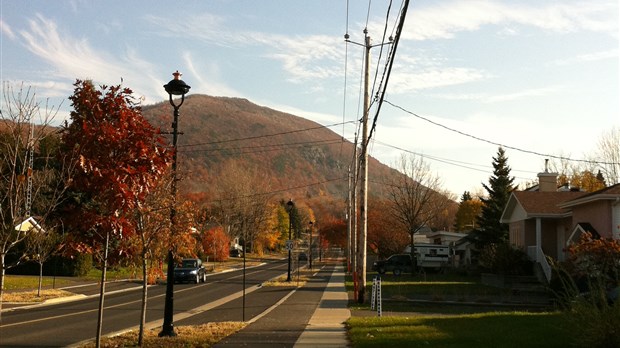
(190, 270)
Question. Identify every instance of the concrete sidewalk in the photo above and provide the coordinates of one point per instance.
(326, 327)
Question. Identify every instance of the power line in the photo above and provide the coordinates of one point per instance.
(461, 164)
(264, 135)
(267, 148)
(496, 143)
(279, 191)
(399, 31)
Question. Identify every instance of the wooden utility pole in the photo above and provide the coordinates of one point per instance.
(361, 242)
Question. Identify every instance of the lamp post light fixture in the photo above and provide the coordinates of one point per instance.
(176, 87)
(289, 208)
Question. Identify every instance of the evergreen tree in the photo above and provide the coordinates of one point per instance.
(489, 229)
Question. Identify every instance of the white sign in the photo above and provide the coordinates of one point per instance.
(289, 245)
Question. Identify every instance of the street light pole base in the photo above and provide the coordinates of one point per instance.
(167, 332)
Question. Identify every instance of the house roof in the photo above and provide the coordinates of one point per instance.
(538, 204)
(607, 193)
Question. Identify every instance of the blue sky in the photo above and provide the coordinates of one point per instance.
(539, 76)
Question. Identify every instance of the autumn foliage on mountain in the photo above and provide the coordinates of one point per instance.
(300, 159)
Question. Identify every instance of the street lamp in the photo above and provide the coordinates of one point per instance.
(310, 247)
(176, 86)
(289, 208)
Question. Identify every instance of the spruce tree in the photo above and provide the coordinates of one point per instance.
(490, 230)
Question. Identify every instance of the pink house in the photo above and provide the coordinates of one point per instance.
(544, 220)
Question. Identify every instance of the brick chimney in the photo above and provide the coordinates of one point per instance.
(547, 182)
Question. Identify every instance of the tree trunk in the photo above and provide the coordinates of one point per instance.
(2, 274)
(40, 278)
(144, 296)
(102, 290)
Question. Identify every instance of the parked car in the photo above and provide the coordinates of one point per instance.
(190, 270)
(397, 264)
(236, 253)
(302, 257)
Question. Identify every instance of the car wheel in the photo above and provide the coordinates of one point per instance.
(397, 272)
(204, 277)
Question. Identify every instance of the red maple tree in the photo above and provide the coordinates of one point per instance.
(121, 156)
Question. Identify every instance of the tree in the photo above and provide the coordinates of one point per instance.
(151, 221)
(416, 197)
(384, 236)
(29, 189)
(467, 213)
(490, 230)
(121, 157)
(608, 151)
(334, 231)
(238, 208)
(41, 245)
(216, 244)
(271, 237)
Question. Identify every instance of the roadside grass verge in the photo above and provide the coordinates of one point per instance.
(205, 335)
(492, 329)
(18, 282)
(298, 279)
(31, 296)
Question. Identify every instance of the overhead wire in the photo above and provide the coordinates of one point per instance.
(374, 84)
(456, 163)
(265, 135)
(399, 30)
(267, 148)
(279, 190)
(496, 143)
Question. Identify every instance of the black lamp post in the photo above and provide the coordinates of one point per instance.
(289, 208)
(176, 86)
(310, 253)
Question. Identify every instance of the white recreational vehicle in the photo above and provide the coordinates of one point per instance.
(433, 256)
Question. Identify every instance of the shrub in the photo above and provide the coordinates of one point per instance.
(83, 264)
(589, 282)
(502, 258)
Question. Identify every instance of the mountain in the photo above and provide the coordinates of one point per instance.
(301, 158)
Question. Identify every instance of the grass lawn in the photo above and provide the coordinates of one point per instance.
(434, 287)
(492, 329)
(409, 324)
(17, 282)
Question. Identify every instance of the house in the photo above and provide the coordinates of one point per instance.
(544, 221)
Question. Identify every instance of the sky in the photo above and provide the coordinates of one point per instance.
(538, 77)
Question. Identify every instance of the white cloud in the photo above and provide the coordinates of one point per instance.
(76, 58)
(419, 79)
(444, 20)
(6, 30)
(496, 98)
(212, 85)
(589, 57)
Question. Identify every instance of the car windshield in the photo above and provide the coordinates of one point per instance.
(188, 263)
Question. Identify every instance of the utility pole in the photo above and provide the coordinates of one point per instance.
(354, 221)
(361, 246)
(349, 208)
(360, 269)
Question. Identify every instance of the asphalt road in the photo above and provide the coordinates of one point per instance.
(220, 299)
